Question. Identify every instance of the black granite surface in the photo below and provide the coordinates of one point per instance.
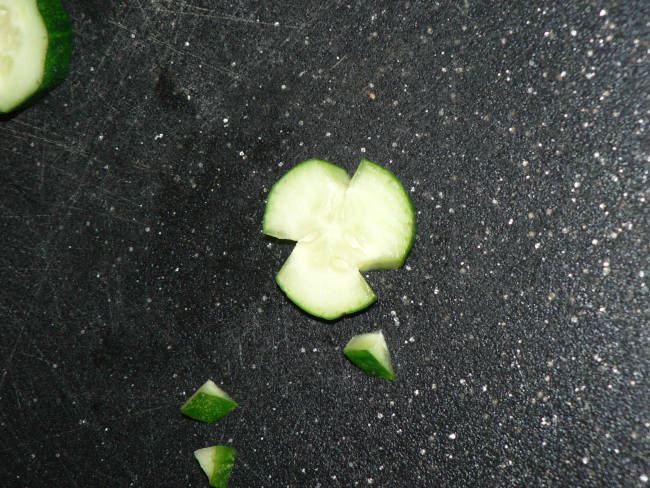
(133, 266)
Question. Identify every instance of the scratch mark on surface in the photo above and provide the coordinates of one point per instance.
(11, 357)
(339, 61)
(173, 49)
(210, 14)
(26, 136)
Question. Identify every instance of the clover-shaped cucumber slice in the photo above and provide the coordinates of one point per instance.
(342, 226)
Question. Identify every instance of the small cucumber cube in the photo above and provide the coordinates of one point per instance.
(209, 403)
(370, 353)
(217, 462)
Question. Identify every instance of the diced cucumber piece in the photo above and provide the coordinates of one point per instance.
(342, 226)
(208, 403)
(370, 353)
(35, 46)
(217, 463)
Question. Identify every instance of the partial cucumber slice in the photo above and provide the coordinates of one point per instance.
(319, 281)
(379, 214)
(370, 353)
(209, 403)
(217, 463)
(35, 46)
(306, 199)
(342, 226)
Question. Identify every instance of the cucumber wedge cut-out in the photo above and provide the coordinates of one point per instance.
(208, 403)
(217, 463)
(370, 353)
(342, 226)
(35, 46)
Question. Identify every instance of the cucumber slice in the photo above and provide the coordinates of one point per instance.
(35, 46)
(342, 226)
(208, 403)
(370, 353)
(217, 463)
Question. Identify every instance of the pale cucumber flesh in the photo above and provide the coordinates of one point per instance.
(23, 49)
(342, 227)
(322, 283)
(307, 198)
(378, 212)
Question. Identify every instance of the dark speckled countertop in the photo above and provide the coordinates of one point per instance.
(133, 266)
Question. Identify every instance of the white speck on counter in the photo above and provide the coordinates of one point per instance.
(452, 436)
(393, 314)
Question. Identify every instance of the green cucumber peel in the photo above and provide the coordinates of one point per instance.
(209, 403)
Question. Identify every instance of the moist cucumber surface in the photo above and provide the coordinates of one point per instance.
(208, 403)
(342, 226)
(370, 353)
(35, 46)
(217, 462)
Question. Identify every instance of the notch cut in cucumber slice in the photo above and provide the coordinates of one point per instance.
(342, 227)
(208, 403)
(217, 463)
(370, 353)
(35, 47)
